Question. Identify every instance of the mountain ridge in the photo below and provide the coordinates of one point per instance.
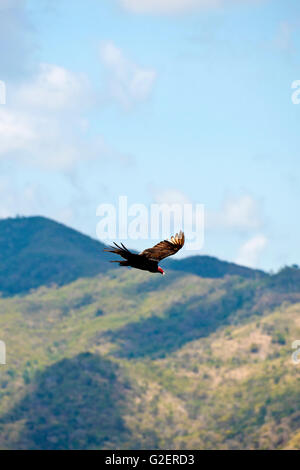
(36, 251)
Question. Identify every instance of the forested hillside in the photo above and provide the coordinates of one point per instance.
(126, 359)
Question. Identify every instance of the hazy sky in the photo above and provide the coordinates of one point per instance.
(159, 100)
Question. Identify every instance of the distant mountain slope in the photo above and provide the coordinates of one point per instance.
(37, 251)
(58, 411)
(208, 266)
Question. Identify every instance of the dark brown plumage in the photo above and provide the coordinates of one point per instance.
(148, 260)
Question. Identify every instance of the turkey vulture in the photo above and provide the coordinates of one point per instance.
(148, 260)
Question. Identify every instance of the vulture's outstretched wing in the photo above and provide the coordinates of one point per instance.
(121, 251)
(165, 248)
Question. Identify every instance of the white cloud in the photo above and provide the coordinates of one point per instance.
(128, 82)
(251, 250)
(54, 88)
(176, 6)
(16, 131)
(43, 123)
(242, 213)
(169, 196)
(33, 198)
(25, 200)
(47, 142)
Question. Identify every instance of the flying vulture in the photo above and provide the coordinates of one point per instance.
(148, 260)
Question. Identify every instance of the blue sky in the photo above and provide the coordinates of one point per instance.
(186, 100)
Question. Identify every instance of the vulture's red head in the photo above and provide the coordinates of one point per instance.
(161, 271)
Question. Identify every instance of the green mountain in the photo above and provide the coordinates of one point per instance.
(129, 360)
(208, 266)
(36, 251)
